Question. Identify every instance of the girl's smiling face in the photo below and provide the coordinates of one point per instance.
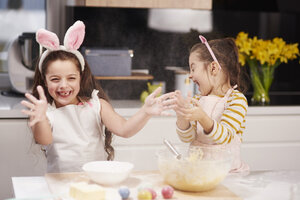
(199, 74)
(63, 82)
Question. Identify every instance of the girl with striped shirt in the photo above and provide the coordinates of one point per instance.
(217, 115)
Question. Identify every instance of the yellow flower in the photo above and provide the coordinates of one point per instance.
(267, 52)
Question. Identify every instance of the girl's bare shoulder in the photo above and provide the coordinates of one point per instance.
(105, 105)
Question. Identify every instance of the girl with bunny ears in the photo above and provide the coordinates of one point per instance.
(67, 108)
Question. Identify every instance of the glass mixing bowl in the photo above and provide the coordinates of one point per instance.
(199, 168)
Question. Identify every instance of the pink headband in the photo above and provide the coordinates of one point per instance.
(72, 41)
(203, 40)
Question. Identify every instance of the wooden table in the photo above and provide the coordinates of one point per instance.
(59, 185)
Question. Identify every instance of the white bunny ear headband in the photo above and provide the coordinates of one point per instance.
(72, 41)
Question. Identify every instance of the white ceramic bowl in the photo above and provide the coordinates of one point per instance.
(108, 172)
(199, 169)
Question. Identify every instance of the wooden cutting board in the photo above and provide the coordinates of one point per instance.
(59, 185)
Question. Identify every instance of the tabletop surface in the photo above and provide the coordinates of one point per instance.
(281, 185)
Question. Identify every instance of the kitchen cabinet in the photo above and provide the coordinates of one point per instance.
(193, 4)
(271, 140)
(19, 155)
(141, 148)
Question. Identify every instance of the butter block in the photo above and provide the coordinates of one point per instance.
(85, 191)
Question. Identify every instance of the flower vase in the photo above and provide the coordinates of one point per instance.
(261, 78)
(262, 58)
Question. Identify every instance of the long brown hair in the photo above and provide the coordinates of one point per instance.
(226, 53)
(87, 85)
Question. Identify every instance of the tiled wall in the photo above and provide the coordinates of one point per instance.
(155, 49)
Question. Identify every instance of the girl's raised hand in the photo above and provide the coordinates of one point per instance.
(181, 104)
(194, 112)
(187, 108)
(157, 105)
(37, 107)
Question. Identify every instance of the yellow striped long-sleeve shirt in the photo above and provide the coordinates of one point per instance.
(231, 124)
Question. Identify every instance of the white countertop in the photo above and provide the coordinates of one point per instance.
(10, 107)
(125, 107)
(273, 185)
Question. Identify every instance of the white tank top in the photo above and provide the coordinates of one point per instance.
(77, 136)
